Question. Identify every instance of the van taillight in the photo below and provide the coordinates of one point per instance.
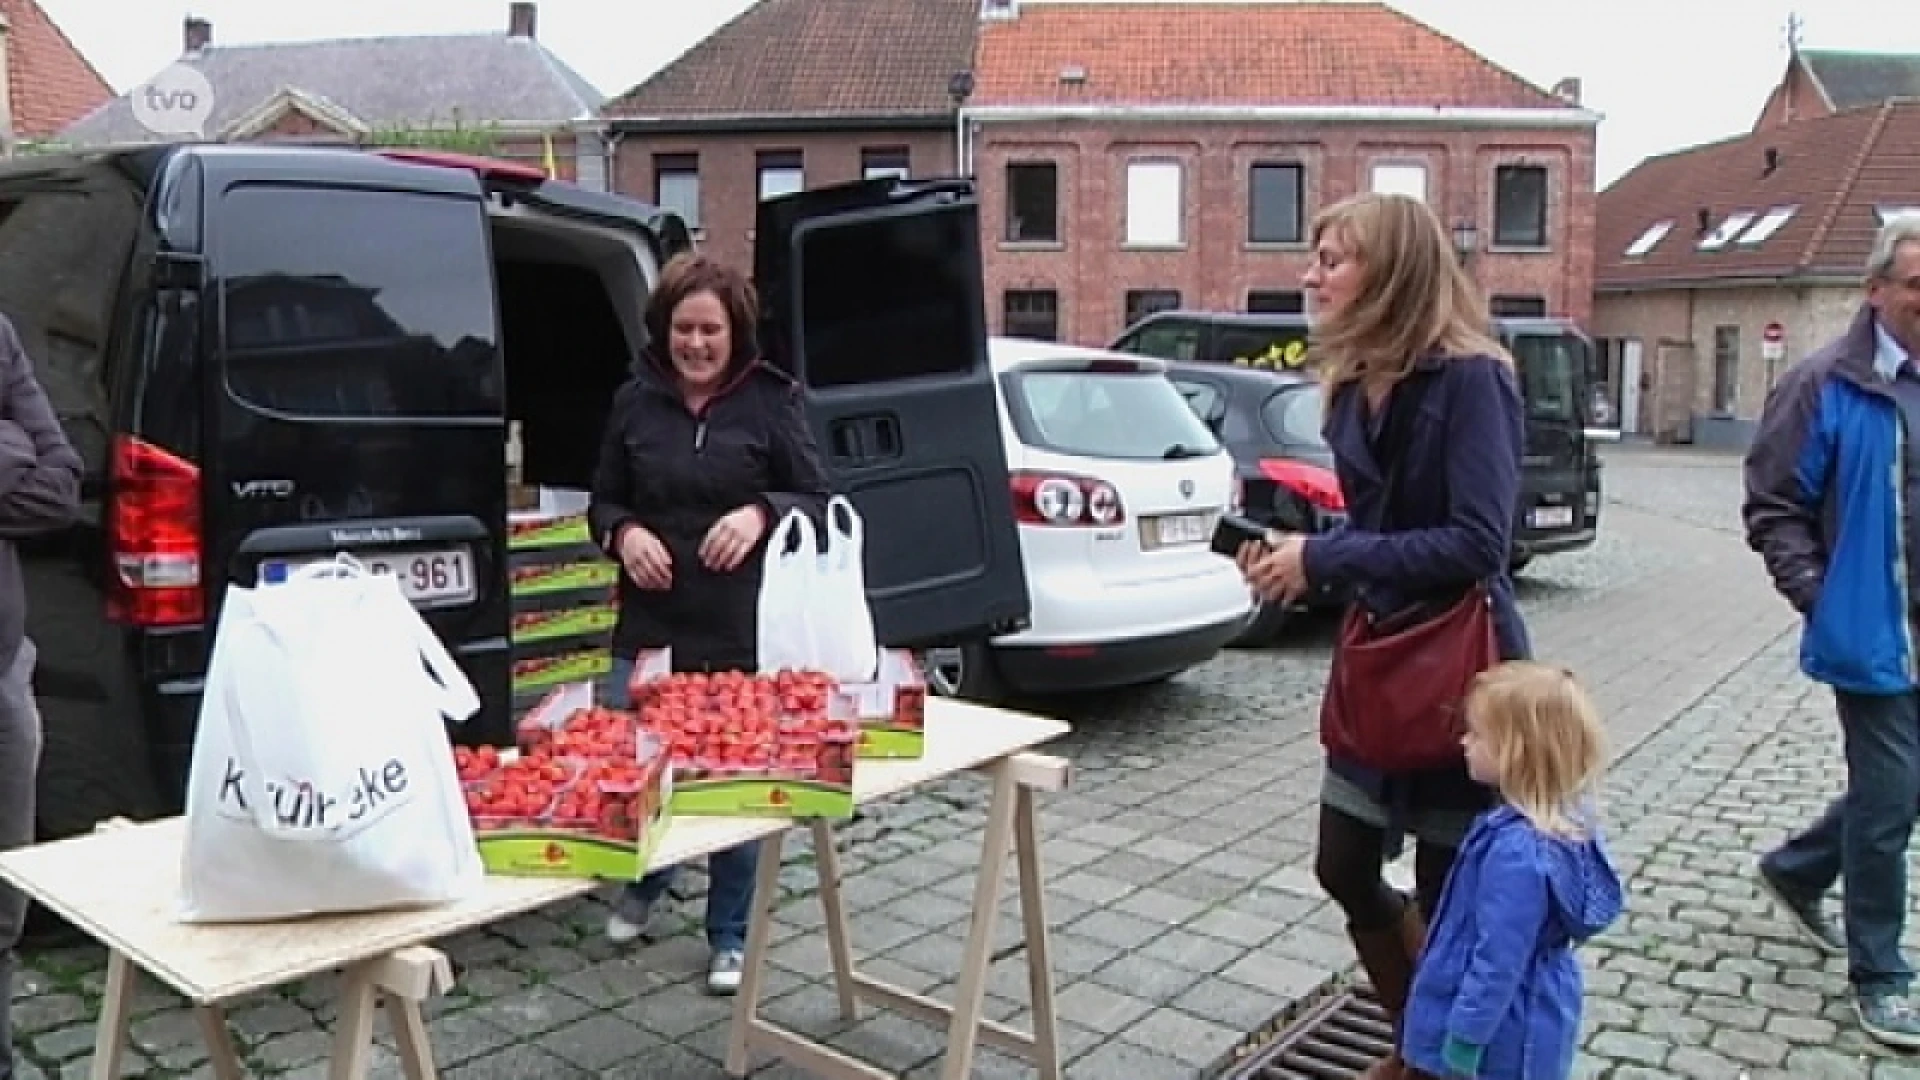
(1311, 482)
(1043, 498)
(153, 537)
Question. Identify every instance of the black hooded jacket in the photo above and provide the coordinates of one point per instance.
(676, 472)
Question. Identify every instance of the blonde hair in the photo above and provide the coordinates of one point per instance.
(1545, 737)
(1414, 298)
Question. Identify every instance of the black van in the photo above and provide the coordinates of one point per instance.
(1560, 468)
(268, 353)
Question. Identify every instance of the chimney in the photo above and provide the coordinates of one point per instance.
(196, 33)
(520, 15)
(1568, 90)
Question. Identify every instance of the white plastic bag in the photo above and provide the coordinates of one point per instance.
(785, 624)
(322, 779)
(843, 638)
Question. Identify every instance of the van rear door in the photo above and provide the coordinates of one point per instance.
(355, 394)
(874, 302)
(1550, 361)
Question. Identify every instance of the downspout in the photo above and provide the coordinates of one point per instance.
(962, 147)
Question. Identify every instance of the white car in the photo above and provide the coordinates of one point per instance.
(1117, 486)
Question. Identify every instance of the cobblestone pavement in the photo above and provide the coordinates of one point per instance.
(1183, 908)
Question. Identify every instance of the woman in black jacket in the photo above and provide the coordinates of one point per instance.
(705, 449)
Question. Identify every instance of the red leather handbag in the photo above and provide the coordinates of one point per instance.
(1395, 700)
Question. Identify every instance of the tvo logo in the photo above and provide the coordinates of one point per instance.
(178, 101)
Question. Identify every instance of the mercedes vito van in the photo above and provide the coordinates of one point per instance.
(269, 353)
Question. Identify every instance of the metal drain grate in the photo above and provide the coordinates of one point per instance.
(1333, 1033)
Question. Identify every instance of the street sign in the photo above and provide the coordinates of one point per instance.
(1773, 343)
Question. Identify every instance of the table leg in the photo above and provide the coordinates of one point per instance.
(400, 980)
(219, 1039)
(110, 1036)
(963, 1033)
(746, 1003)
(1033, 911)
(410, 1037)
(827, 862)
(353, 1028)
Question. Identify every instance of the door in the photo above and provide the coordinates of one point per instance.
(355, 398)
(873, 300)
(1630, 368)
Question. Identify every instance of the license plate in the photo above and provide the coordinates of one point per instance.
(1552, 517)
(1174, 530)
(433, 578)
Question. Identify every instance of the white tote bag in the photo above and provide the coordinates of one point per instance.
(322, 779)
(785, 624)
(844, 645)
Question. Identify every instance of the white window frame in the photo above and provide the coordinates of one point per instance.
(1655, 233)
(689, 207)
(1728, 228)
(1771, 223)
(770, 177)
(1150, 222)
(1398, 178)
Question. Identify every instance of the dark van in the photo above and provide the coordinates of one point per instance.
(265, 354)
(1560, 468)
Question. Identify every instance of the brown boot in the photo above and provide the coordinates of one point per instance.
(1388, 957)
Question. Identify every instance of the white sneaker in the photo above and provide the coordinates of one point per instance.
(621, 930)
(723, 974)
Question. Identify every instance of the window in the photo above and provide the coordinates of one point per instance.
(782, 172)
(1032, 313)
(1551, 368)
(1153, 204)
(1728, 229)
(320, 322)
(1726, 368)
(1130, 415)
(1401, 179)
(1274, 205)
(676, 185)
(1144, 302)
(1276, 302)
(1517, 307)
(877, 162)
(1033, 202)
(1167, 340)
(1767, 226)
(1520, 206)
(1888, 213)
(889, 298)
(1296, 416)
(1655, 233)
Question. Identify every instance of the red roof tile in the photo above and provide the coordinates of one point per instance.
(816, 58)
(1236, 53)
(1837, 170)
(50, 84)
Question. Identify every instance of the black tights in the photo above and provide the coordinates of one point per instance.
(1349, 861)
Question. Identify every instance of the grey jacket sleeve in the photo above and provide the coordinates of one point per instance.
(1787, 470)
(39, 470)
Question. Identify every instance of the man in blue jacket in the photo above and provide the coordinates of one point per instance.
(1833, 506)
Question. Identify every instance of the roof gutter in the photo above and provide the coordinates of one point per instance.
(718, 123)
(1757, 279)
(1400, 115)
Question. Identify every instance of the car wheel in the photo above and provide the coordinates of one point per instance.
(1263, 628)
(966, 672)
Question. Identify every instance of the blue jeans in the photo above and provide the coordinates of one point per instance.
(1862, 838)
(730, 873)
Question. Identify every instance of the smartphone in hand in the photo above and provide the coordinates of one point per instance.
(1233, 531)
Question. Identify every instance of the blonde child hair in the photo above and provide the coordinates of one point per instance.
(1545, 737)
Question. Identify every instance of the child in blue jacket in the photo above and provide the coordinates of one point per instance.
(1497, 992)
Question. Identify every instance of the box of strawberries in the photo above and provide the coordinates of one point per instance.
(585, 794)
(748, 745)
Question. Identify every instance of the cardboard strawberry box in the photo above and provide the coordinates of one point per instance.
(890, 709)
(598, 812)
(748, 745)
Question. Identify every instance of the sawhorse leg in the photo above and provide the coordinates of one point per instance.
(401, 981)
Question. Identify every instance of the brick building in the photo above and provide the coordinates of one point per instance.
(49, 84)
(1135, 156)
(502, 93)
(793, 94)
(1699, 251)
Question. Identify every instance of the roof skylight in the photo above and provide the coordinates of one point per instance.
(1728, 229)
(1654, 234)
(1767, 226)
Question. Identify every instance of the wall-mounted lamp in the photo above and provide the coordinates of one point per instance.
(1466, 239)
